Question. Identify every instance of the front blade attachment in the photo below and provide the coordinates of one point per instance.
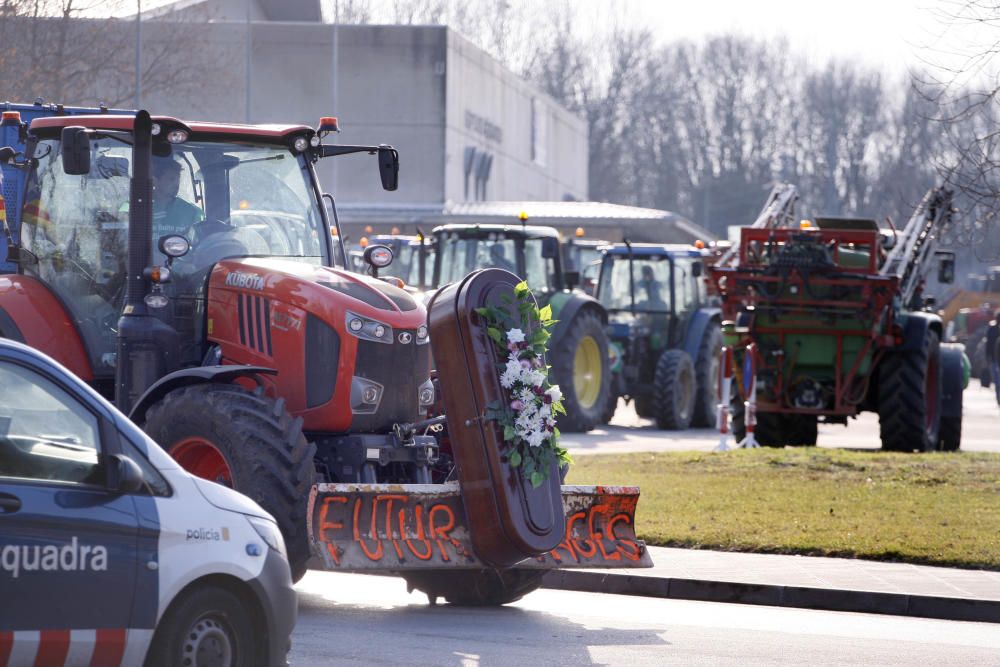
(367, 527)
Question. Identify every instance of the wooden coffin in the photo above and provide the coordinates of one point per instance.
(509, 520)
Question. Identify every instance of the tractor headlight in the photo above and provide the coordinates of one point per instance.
(365, 396)
(368, 329)
(269, 532)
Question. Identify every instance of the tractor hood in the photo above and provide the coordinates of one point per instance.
(286, 280)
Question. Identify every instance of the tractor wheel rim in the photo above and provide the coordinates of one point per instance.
(203, 459)
(587, 372)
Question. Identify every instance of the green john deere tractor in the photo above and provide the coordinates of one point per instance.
(579, 346)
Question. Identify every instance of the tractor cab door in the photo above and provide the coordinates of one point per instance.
(77, 228)
(687, 297)
(541, 266)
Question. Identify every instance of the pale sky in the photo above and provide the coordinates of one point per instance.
(891, 35)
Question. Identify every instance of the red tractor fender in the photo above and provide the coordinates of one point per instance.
(36, 317)
(192, 376)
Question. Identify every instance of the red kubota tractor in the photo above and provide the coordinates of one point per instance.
(216, 312)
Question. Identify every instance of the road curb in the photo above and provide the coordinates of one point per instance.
(870, 602)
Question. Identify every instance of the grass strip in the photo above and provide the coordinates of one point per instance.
(940, 509)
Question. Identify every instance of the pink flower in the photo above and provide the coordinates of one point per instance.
(517, 405)
(512, 347)
(538, 391)
(536, 362)
(525, 364)
(547, 399)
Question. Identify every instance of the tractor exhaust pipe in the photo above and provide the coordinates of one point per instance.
(147, 348)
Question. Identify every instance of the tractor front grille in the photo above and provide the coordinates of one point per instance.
(400, 368)
(254, 314)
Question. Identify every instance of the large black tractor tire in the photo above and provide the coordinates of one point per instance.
(610, 408)
(951, 434)
(706, 372)
(474, 588)
(909, 397)
(803, 430)
(645, 406)
(207, 626)
(580, 367)
(770, 430)
(775, 429)
(674, 390)
(245, 440)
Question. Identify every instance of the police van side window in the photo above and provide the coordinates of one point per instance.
(45, 433)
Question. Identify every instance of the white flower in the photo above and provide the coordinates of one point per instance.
(511, 374)
(515, 336)
(555, 393)
(535, 439)
(535, 378)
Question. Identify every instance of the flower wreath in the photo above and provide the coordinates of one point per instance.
(528, 413)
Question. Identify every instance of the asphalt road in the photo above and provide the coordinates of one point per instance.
(358, 619)
(628, 433)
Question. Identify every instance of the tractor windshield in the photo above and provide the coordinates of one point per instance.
(460, 255)
(650, 278)
(229, 199)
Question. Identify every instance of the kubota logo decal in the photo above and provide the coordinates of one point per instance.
(245, 280)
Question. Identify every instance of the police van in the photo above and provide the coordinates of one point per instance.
(111, 554)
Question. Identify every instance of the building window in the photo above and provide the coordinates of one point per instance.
(539, 131)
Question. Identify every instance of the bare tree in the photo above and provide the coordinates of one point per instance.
(967, 100)
(77, 52)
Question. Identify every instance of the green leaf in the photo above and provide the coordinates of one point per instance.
(514, 459)
(545, 314)
(509, 433)
(536, 479)
(484, 311)
(495, 334)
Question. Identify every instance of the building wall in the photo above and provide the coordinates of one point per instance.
(505, 139)
(424, 89)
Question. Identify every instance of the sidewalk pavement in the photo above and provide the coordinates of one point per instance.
(836, 584)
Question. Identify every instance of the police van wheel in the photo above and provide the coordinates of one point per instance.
(245, 440)
(475, 588)
(207, 627)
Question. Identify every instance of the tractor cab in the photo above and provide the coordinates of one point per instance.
(664, 339)
(529, 252)
(215, 197)
(651, 285)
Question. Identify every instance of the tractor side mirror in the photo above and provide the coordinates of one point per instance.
(946, 268)
(696, 269)
(75, 151)
(550, 248)
(572, 278)
(388, 167)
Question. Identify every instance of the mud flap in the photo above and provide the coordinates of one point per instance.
(393, 527)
